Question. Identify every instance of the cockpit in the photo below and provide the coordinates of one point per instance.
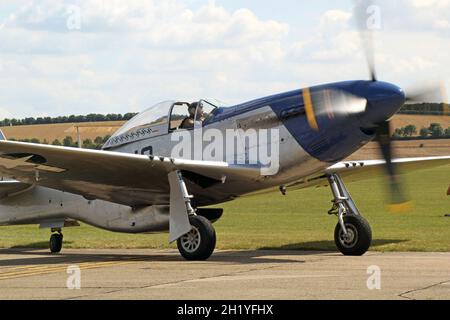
(163, 118)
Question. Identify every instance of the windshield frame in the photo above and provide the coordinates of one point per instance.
(211, 114)
(139, 121)
(178, 103)
(138, 128)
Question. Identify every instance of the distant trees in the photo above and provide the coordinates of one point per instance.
(424, 108)
(88, 144)
(99, 140)
(92, 117)
(407, 131)
(68, 142)
(435, 130)
(410, 130)
(424, 132)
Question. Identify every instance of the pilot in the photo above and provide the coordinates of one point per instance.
(190, 122)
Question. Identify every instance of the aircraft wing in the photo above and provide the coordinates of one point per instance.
(368, 169)
(128, 179)
(361, 170)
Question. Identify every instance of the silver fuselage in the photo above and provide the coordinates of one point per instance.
(40, 205)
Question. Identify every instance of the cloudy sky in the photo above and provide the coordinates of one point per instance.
(60, 57)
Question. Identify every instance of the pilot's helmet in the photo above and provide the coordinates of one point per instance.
(192, 107)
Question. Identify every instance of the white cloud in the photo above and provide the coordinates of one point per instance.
(405, 54)
(155, 22)
(426, 4)
(415, 15)
(129, 55)
(335, 18)
(442, 24)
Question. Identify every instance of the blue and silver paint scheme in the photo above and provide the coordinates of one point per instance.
(304, 149)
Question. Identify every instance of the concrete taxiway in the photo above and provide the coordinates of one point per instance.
(156, 274)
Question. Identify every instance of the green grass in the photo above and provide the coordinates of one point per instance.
(296, 221)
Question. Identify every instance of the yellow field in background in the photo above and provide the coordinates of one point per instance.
(50, 132)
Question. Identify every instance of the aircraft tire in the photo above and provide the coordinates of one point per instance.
(200, 242)
(56, 240)
(358, 239)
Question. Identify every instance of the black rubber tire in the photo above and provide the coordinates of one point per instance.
(56, 241)
(361, 244)
(207, 240)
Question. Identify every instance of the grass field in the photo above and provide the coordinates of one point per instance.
(296, 221)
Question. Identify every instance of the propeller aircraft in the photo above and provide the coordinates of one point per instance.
(149, 177)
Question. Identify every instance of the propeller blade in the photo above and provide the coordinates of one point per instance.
(399, 202)
(330, 103)
(365, 28)
(431, 93)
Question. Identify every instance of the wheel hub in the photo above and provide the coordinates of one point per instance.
(191, 240)
(351, 238)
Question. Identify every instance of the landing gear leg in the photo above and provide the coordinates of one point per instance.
(352, 234)
(56, 241)
(195, 235)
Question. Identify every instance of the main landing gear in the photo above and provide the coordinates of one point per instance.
(56, 241)
(352, 234)
(195, 235)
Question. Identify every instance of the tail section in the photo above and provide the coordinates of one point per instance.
(2, 136)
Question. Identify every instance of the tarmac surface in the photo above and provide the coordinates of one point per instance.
(163, 274)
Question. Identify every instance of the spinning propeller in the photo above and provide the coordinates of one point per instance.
(334, 102)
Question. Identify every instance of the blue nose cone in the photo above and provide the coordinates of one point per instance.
(383, 101)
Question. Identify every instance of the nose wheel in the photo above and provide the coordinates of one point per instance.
(56, 241)
(200, 242)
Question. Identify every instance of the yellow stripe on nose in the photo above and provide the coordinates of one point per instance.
(309, 109)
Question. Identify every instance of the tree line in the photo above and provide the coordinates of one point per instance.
(425, 108)
(92, 117)
(435, 130)
(419, 108)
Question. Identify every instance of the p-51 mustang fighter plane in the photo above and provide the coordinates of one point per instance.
(135, 185)
(154, 175)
